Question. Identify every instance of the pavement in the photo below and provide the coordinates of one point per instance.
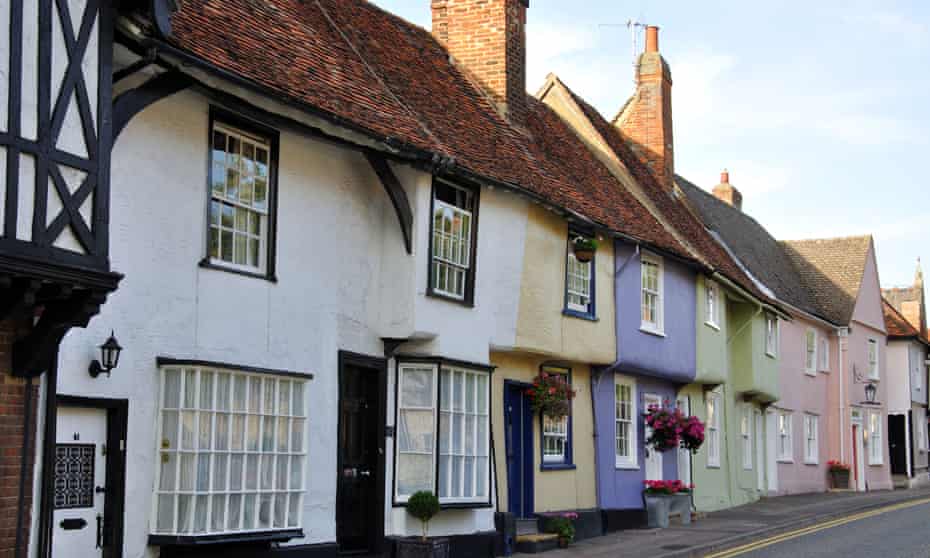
(717, 531)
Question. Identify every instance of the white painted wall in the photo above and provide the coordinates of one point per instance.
(344, 282)
(898, 375)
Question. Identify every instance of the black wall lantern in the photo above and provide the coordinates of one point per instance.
(870, 390)
(109, 357)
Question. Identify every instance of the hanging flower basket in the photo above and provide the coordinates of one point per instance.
(692, 434)
(551, 395)
(666, 428)
(584, 248)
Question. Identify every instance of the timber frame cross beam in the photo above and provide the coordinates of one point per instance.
(134, 101)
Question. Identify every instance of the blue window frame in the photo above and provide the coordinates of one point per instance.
(579, 281)
(556, 433)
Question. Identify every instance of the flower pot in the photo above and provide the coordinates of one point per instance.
(840, 478)
(681, 503)
(584, 255)
(563, 542)
(416, 547)
(657, 509)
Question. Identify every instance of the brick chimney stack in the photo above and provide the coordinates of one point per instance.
(728, 193)
(909, 301)
(488, 39)
(646, 122)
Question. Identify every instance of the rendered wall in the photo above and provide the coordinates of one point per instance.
(711, 346)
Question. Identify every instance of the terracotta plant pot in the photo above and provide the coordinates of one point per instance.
(563, 542)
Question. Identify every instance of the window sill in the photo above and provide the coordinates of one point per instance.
(785, 460)
(580, 315)
(651, 331)
(712, 325)
(231, 538)
(451, 505)
(882, 464)
(448, 298)
(627, 466)
(811, 373)
(811, 463)
(713, 466)
(557, 467)
(207, 264)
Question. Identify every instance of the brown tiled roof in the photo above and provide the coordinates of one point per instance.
(672, 209)
(360, 64)
(896, 324)
(831, 269)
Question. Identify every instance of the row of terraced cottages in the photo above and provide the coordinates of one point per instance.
(269, 268)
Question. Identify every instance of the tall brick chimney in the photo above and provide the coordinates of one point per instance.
(646, 122)
(728, 193)
(488, 38)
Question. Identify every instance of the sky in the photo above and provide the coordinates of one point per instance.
(820, 110)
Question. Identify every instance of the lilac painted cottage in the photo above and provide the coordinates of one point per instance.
(655, 323)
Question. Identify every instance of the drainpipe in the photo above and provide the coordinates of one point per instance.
(842, 334)
(595, 381)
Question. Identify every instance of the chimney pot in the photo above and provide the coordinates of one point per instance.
(652, 38)
(728, 193)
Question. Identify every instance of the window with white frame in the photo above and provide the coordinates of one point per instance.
(745, 430)
(556, 435)
(461, 442)
(231, 452)
(876, 448)
(873, 359)
(452, 249)
(652, 293)
(579, 295)
(713, 428)
(824, 353)
(712, 304)
(810, 359)
(785, 441)
(811, 439)
(240, 198)
(771, 335)
(625, 414)
(916, 367)
(921, 433)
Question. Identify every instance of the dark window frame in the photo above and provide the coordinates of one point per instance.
(246, 124)
(439, 362)
(469, 298)
(569, 462)
(591, 314)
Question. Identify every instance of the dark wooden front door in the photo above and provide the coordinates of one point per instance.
(897, 444)
(360, 488)
(519, 441)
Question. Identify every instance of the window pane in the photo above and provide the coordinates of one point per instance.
(172, 389)
(293, 510)
(414, 473)
(169, 430)
(165, 520)
(168, 471)
(188, 471)
(298, 399)
(417, 387)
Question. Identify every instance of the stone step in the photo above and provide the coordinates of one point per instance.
(527, 526)
(534, 544)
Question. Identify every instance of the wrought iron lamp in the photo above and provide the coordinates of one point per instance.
(109, 357)
(870, 391)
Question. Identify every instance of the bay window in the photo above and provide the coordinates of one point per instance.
(442, 432)
(452, 245)
(231, 452)
(625, 414)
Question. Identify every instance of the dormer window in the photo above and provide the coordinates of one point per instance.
(453, 236)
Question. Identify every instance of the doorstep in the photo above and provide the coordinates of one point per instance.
(536, 543)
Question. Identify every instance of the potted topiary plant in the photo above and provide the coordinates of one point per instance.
(423, 505)
(584, 248)
(839, 474)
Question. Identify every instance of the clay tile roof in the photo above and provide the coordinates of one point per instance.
(831, 269)
(896, 324)
(360, 64)
(673, 210)
(762, 255)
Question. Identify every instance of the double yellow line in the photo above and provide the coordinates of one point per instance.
(756, 545)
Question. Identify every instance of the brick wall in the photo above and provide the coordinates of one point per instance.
(488, 38)
(12, 406)
(647, 122)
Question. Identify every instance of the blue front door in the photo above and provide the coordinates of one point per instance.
(518, 419)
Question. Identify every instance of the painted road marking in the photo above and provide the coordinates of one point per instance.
(813, 529)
